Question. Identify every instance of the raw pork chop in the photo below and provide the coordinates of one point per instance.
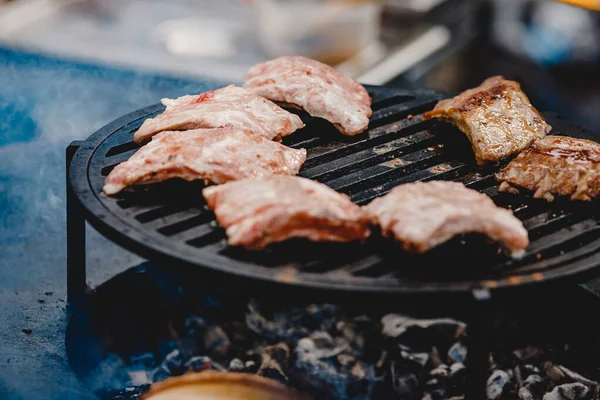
(256, 213)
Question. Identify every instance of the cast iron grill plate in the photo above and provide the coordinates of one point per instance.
(169, 222)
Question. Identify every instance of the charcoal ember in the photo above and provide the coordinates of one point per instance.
(568, 391)
(197, 364)
(194, 327)
(295, 323)
(160, 373)
(525, 394)
(362, 334)
(457, 353)
(527, 354)
(321, 345)
(321, 316)
(324, 377)
(535, 383)
(434, 356)
(437, 379)
(456, 383)
(403, 381)
(216, 343)
(174, 361)
(165, 347)
(529, 369)
(236, 365)
(421, 335)
(438, 394)
(251, 366)
(144, 360)
(496, 384)
(559, 373)
(274, 362)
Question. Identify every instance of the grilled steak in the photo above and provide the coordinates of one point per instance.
(555, 165)
(315, 87)
(216, 155)
(230, 106)
(496, 116)
(256, 213)
(423, 215)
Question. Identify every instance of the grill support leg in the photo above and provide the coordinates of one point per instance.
(76, 273)
(478, 346)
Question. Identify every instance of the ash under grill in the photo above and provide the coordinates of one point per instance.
(169, 221)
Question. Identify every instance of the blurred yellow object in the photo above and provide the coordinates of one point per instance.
(210, 385)
(589, 4)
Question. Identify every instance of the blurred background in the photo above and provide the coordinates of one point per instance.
(67, 67)
(551, 47)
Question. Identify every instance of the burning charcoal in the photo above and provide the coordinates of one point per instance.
(323, 316)
(558, 373)
(456, 383)
(457, 353)
(165, 347)
(141, 377)
(403, 382)
(442, 371)
(421, 335)
(324, 378)
(417, 359)
(435, 395)
(529, 369)
(318, 349)
(345, 360)
(143, 360)
(174, 361)
(236, 365)
(216, 342)
(536, 385)
(161, 373)
(274, 362)
(525, 394)
(194, 327)
(527, 354)
(251, 367)
(496, 383)
(197, 364)
(392, 325)
(569, 391)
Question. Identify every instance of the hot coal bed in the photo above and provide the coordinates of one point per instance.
(341, 322)
(151, 323)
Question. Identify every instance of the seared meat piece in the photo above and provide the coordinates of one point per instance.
(216, 155)
(256, 213)
(555, 165)
(317, 88)
(423, 215)
(496, 116)
(230, 106)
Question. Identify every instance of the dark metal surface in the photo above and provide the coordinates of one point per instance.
(169, 222)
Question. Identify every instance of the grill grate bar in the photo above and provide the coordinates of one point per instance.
(364, 158)
(439, 171)
(383, 172)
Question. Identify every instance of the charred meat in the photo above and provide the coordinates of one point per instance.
(256, 213)
(496, 116)
(315, 87)
(423, 215)
(555, 166)
(216, 155)
(230, 106)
